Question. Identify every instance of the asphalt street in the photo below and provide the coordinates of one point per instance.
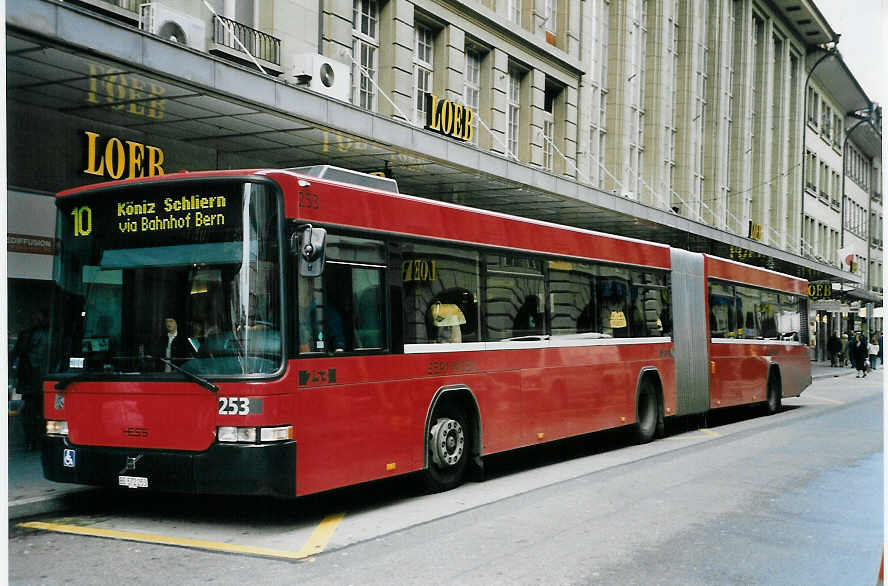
(794, 498)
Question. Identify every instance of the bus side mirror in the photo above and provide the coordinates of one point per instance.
(309, 244)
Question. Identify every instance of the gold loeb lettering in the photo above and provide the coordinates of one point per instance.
(115, 147)
(469, 136)
(115, 159)
(435, 116)
(449, 118)
(91, 168)
(125, 93)
(136, 152)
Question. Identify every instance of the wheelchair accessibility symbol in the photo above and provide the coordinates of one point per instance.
(69, 459)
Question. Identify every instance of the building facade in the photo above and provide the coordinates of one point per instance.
(700, 123)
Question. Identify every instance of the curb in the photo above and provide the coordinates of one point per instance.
(41, 505)
(841, 373)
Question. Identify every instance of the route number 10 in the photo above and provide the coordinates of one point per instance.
(82, 221)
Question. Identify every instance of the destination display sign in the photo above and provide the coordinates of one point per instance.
(156, 215)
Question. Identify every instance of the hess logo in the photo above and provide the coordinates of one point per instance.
(136, 431)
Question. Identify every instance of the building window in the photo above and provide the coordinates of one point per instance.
(365, 53)
(423, 56)
(807, 236)
(837, 131)
(514, 111)
(515, 11)
(549, 136)
(810, 171)
(813, 106)
(553, 130)
(701, 78)
(727, 110)
(636, 67)
(670, 78)
(472, 89)
(836, 194)
(551, 16)
(598, 83)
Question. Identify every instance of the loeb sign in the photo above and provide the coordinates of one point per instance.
(449, 118)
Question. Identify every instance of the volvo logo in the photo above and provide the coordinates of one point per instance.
(131, 463)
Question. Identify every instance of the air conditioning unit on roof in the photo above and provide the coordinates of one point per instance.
(324, 75)
(172, 25)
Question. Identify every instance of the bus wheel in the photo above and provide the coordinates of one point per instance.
(646, 413)
(775, 401)
(449, 447)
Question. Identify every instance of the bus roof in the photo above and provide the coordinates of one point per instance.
(738, 272)
(381, 210)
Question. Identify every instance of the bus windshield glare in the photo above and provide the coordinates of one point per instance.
(154, 277)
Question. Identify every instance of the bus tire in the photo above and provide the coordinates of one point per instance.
(449, 448)
(775, 394)
(647, 412)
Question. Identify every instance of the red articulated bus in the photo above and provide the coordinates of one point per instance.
(285, 332)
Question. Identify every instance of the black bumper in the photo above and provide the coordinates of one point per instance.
(232, 469)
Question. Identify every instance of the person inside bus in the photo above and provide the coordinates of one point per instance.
(172, 345)
(586, 320)
(446, 320)
(529, 319)
(322, 327)
(613, 308)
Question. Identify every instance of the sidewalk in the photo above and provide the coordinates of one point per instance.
(30, 494)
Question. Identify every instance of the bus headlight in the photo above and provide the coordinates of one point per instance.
(56, 427)
(230, 434)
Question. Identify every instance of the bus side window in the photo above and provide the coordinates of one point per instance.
(647, 304)
(572, 295)
(440, 286)
(748, 300)
(343, 309)
(515, 297)
(369, 314)
(722, 323)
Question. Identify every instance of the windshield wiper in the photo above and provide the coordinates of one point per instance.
(198, 379)
(63, 383)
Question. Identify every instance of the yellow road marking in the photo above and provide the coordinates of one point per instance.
(313, 546)
(690, 435)
(321, 535)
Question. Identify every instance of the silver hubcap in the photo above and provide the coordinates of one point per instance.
(447, 441)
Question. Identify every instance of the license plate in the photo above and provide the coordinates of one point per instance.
(133, 481)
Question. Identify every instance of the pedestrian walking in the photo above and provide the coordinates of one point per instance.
(31, 352)
(846, 351)
(873, 349)
(834, 349)
(860, 352)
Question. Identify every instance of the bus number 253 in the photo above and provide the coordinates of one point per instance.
(234, 406)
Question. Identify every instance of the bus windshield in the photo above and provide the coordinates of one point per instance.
(158, 276)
